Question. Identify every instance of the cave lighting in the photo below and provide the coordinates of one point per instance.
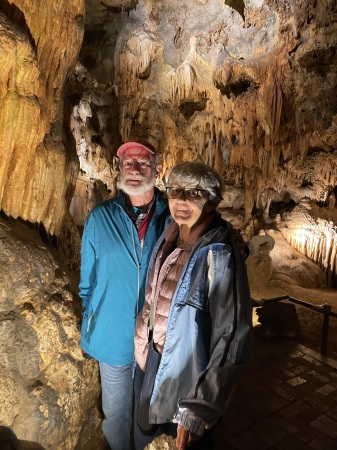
(319, 243)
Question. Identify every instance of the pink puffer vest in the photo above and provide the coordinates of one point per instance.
(162, 283)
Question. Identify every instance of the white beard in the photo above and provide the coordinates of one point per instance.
(145, 186)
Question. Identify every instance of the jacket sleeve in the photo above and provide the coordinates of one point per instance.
(88, 265)
(230, 310)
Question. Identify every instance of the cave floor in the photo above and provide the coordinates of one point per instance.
(287, 397)
(286, 400)
(311, 321)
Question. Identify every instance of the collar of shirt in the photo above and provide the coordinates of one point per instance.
(136, 214)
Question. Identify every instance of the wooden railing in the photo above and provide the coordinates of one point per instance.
(324, 309)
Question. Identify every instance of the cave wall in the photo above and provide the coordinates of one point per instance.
(39, 43)
(252, 92)
(48, 392)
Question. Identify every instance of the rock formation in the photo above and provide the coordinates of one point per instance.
(252, 92)
(40, 42)
(48, 392)
(248, 86)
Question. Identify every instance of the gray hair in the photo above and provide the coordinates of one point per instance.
(198, 174)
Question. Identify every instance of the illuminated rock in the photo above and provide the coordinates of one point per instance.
(48, 391)
(39, 44)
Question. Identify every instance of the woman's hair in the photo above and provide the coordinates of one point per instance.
(198, 174)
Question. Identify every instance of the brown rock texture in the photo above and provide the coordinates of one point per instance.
(48, 391)
(39, 44)
(250, 89)
(243, 93)
(162, 442)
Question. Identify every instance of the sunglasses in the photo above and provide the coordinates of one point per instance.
(188, 193)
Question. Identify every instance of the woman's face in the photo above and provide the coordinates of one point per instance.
(188, 204)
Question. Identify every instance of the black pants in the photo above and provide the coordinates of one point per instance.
(143, 438)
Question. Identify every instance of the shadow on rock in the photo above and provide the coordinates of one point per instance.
(26, 445)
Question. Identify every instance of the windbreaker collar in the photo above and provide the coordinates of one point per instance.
(161, 202)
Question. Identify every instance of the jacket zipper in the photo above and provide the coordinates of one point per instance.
(139, 265)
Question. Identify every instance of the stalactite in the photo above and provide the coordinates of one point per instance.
(279, 181)
(245, 73)
(274, 158)
(225, 151)
(37, 168)
(264, 162)
(181, 84)
(134, 63)
(265, 200)
(141, 51)
(274, 105)
(201, 130)
(316, 239)
(332, 271)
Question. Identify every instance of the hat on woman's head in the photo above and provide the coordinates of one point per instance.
(136, 143)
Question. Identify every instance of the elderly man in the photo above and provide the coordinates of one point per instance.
(118, 239)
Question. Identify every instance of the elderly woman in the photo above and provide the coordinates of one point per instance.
(196, 320)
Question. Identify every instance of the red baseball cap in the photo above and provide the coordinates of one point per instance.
(136, 143)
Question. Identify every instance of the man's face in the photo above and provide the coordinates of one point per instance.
(137, 171)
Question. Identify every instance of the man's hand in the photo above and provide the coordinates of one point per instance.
(185, 438)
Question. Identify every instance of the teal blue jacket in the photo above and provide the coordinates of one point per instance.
(113, 276)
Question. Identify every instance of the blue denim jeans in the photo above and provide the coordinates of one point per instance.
(117, 389)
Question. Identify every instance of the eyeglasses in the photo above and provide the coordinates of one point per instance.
(188, 193)
(142, 164)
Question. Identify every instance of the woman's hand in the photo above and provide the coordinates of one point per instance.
(185, 438)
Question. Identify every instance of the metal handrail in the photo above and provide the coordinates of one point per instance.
(325, 309)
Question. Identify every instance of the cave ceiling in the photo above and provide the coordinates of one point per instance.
(249, 87)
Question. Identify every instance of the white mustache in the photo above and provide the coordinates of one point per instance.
(134, 177)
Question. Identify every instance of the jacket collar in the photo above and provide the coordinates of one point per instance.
(172, 231)
(161, 202)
